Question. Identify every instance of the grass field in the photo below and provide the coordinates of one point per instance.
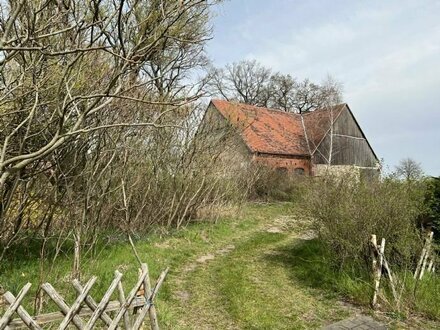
(256, 268)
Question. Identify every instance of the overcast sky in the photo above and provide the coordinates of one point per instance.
(386, 54)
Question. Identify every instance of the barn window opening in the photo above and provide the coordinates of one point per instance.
(281, 170)
(299, 171)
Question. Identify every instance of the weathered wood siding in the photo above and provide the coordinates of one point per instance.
(219, 138)
(349, 145)
(345, 124)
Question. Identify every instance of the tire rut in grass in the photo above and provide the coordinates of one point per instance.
(206, 287)
(228, 287)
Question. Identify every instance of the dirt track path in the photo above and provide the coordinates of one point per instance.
(244, 284)
(254, 278)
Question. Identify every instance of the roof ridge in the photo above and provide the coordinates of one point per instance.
(344, 104)
(282, 111)
(259, 107)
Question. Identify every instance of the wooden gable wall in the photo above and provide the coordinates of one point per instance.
(350, 146)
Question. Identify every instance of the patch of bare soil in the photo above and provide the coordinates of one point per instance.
(208, 257)
(184, 296)
(163, 245)
(227, 249)
(205, 258)
(192, 266)
(299, 227)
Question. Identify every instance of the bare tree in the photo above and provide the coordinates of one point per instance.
(308, 96)
(409, 169)
(282, 92)
(250, 82)
(245, 81)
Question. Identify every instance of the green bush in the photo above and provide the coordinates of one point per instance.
(432, 200)
(347, 211)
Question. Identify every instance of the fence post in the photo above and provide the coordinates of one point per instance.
(147, 293)
(378, 268)
(4, 321)
(428, 250)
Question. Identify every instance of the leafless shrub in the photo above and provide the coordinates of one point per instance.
(271, 184)
(96, 116)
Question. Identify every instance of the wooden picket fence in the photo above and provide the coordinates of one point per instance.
(85, 313)
(380, 263)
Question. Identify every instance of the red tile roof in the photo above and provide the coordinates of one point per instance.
(274, 131)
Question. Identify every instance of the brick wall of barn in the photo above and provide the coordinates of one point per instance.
(288, 164)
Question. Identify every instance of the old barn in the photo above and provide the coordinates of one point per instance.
(324, 139)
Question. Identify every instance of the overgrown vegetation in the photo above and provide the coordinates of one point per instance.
(250, 282)
(345, 212)
(313, 264)
(99, 109)
(97, 113)
(432, 200)
(273, 185)
(100, 112)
